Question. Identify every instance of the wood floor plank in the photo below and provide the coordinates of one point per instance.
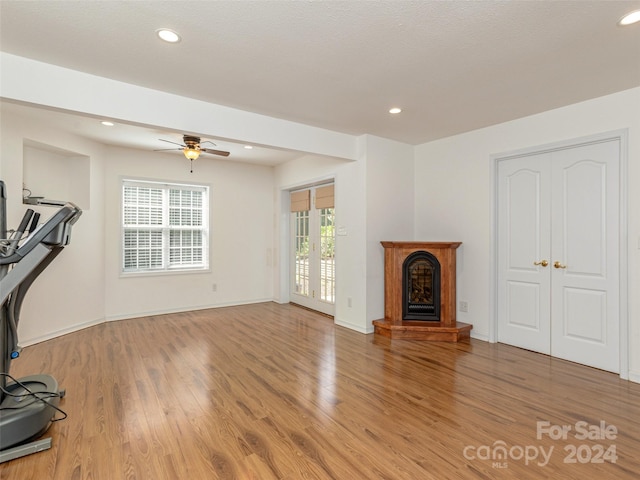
(271, 391)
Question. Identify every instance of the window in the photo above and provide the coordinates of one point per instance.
(165, 227)
(327, 255)
(301, 261)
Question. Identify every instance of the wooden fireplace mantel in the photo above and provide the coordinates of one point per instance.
(393, 325)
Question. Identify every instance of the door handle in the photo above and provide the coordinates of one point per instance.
(557, 264)
(543, 263)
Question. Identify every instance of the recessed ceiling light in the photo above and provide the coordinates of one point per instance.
(248, 147)
(395, 110)
(630, 18)
(168, 35)
(107, 124)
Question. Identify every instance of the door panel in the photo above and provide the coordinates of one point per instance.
(582, 218)
(583, 314)
(523, 300)
(585, 242)
(524, 232)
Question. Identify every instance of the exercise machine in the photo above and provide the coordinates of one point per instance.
(27, 405)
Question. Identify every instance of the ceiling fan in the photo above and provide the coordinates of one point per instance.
(192, 149)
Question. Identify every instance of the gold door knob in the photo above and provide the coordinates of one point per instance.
(543, 263)
(559, 265)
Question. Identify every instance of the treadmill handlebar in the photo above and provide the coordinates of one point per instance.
(54, 232)
(15, 240)
(34, 222)
(25, 221)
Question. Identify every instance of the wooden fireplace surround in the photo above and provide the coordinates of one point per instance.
(393, 325)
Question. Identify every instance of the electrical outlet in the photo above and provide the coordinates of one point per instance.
(214, 287)
(464, 306)
(349, 303)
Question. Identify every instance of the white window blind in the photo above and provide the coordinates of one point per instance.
(165, 226)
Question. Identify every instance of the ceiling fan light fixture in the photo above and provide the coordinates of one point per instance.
(191, 148)
(191, 153)
(168, 35)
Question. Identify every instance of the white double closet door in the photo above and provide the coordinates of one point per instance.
(558, 253)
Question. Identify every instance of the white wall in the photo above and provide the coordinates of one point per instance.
(454, 191)
(390, 211)
(374, 202)
(69, 294)
(241, 224)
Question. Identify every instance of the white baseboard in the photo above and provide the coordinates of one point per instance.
(111, 318)
(634, 376)
(61, 332)
(353, 326)
(127, 316)
(479, 336)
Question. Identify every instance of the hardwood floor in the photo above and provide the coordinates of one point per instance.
(273, 391)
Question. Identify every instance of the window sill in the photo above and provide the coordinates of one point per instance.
(164, 273)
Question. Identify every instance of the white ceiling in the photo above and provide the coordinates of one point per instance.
(453, 66)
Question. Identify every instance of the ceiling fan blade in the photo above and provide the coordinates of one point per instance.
(169, 141)
(215, 152)
(208, 141)
(167, 149)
